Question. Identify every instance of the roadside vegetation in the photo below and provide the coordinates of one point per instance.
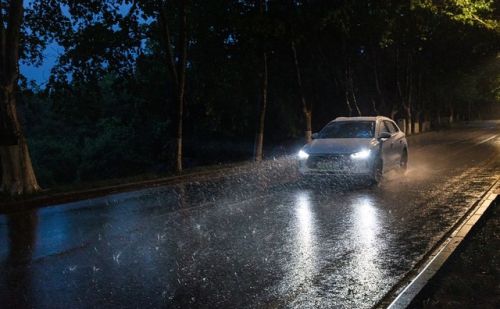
(151, 87)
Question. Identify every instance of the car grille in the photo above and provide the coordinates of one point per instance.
(329, 161)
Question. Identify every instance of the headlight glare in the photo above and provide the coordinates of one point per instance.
(363, 154)
(303, 155)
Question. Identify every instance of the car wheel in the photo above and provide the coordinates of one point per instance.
(403, 162)
(377, 172)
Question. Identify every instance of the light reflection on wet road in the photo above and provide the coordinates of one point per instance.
(261, 240)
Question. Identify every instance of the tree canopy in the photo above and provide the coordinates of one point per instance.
(109, 107)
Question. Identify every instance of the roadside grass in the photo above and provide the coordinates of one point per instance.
(471, 277)
(105, 183)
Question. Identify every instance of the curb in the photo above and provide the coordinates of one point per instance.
(413, 284)
(66, 197)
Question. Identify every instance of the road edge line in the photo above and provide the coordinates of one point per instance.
(439, 255)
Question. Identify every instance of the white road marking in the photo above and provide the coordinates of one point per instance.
(486, 140)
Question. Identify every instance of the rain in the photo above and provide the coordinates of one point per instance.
(246, 153)
(259, 236)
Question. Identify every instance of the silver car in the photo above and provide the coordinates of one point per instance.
(358, 146)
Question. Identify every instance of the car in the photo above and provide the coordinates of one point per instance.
(364, 147)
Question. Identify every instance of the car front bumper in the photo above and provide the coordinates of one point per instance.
(335, 165)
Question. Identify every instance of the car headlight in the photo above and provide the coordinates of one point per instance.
(303, 155)
(363, 154)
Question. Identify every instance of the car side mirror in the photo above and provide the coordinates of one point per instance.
(314, 136)
(384, 135)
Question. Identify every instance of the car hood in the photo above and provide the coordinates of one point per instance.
(339, 145)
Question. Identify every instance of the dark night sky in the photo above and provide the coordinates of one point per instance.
(40, 74)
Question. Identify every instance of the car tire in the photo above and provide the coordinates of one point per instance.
(403, 162)
(377, 172)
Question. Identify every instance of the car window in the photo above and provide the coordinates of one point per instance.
(348, 129)
(384, 127)
(392, 128)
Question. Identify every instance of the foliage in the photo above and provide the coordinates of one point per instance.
(108, 108)
(472, 12)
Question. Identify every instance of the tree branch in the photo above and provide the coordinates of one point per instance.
(12, 40)
(165, 35)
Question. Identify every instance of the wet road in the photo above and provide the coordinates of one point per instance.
(262, 239)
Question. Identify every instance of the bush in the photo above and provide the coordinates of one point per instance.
(111, 153)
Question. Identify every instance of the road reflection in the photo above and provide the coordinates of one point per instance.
(22, 237)
(16, 275)
(366, 227)
(302, 267)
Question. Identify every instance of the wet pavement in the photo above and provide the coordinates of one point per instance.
(263, 239)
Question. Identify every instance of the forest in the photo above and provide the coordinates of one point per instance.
(161, 86)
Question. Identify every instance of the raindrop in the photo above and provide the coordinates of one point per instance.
(116, 257)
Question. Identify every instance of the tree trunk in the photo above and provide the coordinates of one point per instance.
(308, 118)
(259, 140)
(374, 106)
(408, 105)
(354, 100)
(395, 108)
(346, 92)
(306, 108)
(394, 112)
(167, 41)
(409, 122)
(18, 176)
(181, 83)
(349, 108)
(178, 144)
(350, 88)
(177, 73)
(377, 87)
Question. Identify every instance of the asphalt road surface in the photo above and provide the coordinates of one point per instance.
(263, 239)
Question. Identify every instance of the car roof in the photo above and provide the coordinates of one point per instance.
(370, 118)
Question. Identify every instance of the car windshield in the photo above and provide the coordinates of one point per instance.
(348, 129)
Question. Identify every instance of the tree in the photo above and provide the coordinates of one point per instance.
(263, 75)
(18, 176)
(177, 71)
(175, 50)
(475, 13)
(128, 68)
(306, 105)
